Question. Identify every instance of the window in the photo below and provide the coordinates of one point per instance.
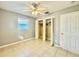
(23, 24)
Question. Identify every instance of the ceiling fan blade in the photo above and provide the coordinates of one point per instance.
(41, 9)
(43, 6)
(28, 6)
(26, 10)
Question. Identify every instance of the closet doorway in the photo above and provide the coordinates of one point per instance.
(44, 30)
(48, 29)
(40, 29)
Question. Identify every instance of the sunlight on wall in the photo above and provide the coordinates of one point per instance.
(23, 24)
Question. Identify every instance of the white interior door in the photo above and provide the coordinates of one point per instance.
(69, 31)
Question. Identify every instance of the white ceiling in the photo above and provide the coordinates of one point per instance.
(19, 6)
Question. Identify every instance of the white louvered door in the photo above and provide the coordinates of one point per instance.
(69, 31)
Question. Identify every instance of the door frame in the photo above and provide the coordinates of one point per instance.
(44, 29)
(36, 29)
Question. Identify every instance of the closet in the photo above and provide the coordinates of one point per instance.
(44, 30)
(40, 29)
(48, 29)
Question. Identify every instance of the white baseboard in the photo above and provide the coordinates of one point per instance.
(16, 42)
(67, 50)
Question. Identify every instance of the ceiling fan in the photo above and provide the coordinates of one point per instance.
(36, 8)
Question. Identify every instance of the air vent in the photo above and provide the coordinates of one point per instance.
(73, 1)
(47, 12)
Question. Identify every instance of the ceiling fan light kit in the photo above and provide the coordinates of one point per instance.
(36, 8)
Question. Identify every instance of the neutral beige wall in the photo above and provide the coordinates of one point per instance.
(57, 15)
(8, 27)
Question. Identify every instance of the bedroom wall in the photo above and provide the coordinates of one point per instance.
(9, 32)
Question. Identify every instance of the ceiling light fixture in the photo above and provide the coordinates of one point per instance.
(35, 8)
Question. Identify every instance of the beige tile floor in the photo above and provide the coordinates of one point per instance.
(34, 48)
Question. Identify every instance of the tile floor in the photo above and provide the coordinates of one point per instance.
(34, 48)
